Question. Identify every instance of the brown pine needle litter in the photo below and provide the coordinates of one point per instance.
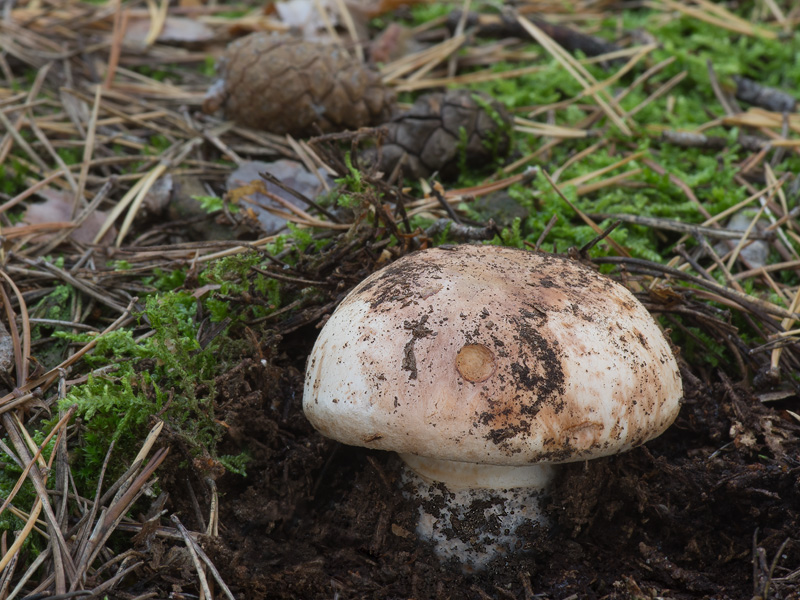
(107, 120)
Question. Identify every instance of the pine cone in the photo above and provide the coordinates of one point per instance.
(287, 85)
(443, 131)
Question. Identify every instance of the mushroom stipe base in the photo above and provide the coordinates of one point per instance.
(473, 527)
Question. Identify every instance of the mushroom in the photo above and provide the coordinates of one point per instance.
(483, 367)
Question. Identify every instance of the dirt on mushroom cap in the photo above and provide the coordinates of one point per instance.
(564, 364)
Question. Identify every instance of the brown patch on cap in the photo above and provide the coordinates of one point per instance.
(475, 362)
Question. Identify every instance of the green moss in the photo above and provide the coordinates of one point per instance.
(158, 144)
(169, 373)
(698, 347)
(160, 73)
(70, 156)
(425, 12)
(209, 68)
(12, 177)
(461, 150)
(167, 281)
(158, 375)
(212, 204)
(234, 13)
(351, 181)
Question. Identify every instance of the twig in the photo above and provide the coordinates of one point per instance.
(437, 191)
(689, 139)
(197, 553)
(763, 96)
(461, 232)
(88, 150)
(198, 567)
(584, 250)
(680, 227)
(751, 303)
(504, 26)
(82, 539)
(110, 518)
(303, 198)
(79, 219)
(89, 289)
(722, 98)
(550, 224)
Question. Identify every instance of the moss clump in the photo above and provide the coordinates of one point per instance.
(168, 373)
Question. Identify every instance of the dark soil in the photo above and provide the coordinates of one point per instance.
(711, 509)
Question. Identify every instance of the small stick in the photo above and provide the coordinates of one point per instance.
(680, 249)
(502, 26)
(550, 224)
(463, 232)
(5, 145)
(117, 35)
(350, 25)
(690, 139)
(718, 262)
(33, 568)
(88, 151)
(755, 305)
(438, 192)
(588, 246)
(198, 566)
(727, 105)
(87, 288)
(753, 92)
(21, 142)
(679, 227)
(302, 197)
(452, 62)
(197, 553)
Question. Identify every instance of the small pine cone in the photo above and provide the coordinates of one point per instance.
(444, 131)
(287, 85)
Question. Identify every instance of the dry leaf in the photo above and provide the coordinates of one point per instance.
(291, 173)
(392, 43)
(57, 208)
(304, 16)
(176, 30)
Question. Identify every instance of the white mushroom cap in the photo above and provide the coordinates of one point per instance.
(491, 355)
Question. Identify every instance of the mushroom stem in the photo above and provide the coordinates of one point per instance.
(457, 475)
(471, 513)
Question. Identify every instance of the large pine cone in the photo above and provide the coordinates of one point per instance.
(442, 131)
(286, 85)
